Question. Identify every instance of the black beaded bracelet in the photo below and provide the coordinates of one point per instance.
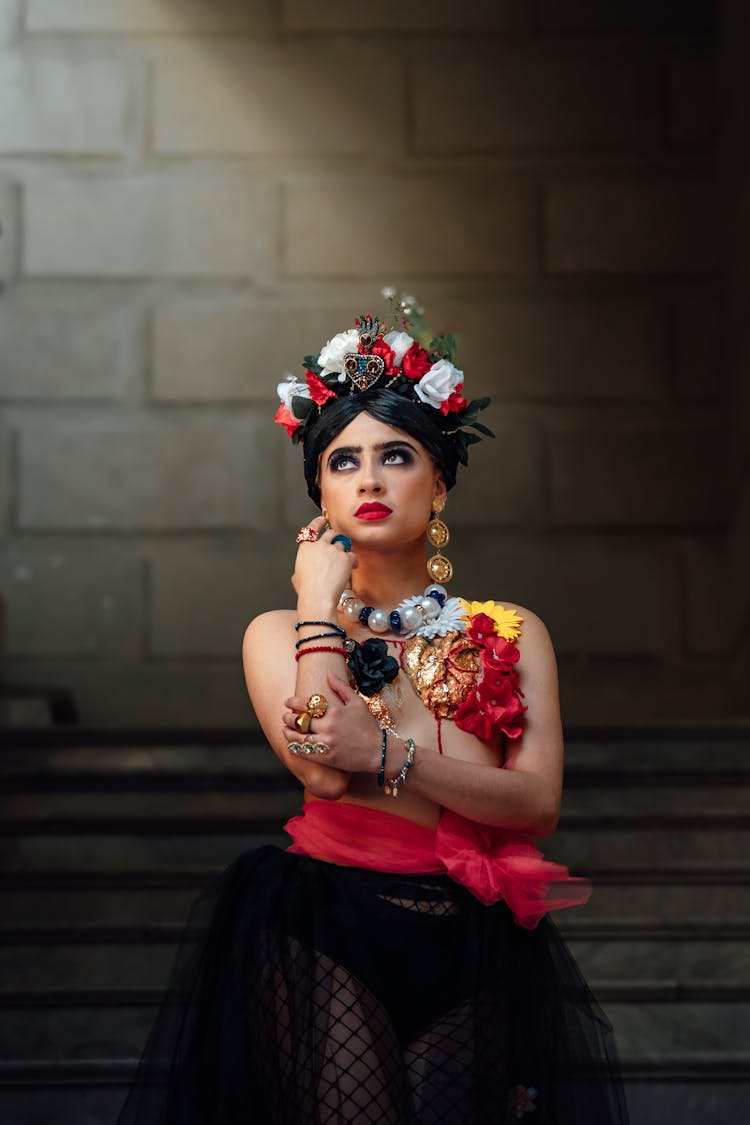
(316, 637)
(383, 749)
(330, 624)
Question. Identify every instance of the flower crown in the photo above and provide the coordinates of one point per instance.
(409, 361)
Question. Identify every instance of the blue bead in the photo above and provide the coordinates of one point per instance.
(394, 618)
(439, 598)
(365, 613)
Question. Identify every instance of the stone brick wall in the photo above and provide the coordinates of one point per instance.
(193, 195)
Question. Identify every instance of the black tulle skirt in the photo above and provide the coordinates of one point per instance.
(309, 992)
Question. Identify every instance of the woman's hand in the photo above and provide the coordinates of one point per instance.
(350, 732)
(323, 570)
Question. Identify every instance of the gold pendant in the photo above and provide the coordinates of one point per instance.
(437, 533)
(439, 568)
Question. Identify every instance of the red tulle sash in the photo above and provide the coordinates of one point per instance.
(492, 863)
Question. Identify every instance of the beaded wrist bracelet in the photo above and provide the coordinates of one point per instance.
(383, 749)
(319, 648)
(391, 787)
(329, 624)
(315, 637)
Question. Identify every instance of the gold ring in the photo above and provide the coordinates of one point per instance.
(302, 722)
(317, 705)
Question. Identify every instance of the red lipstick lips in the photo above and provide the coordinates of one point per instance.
(372, 512)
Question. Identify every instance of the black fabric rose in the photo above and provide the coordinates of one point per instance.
(371, 666)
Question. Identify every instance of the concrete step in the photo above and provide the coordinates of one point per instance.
(136, 898)
(92, 1092)
(35, 960)
(631, 845)
(584, 762)
(652, 1024)
(244, 798)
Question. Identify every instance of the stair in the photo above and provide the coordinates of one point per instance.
(106, 840)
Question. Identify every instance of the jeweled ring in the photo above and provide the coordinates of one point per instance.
(343, 539)
(293, 747)
(307, 535)
(316, 705)
(302, 722)
(321, 748)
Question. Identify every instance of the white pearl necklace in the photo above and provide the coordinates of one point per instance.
(405, 618)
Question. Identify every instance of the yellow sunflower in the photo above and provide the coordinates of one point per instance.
(507, 622)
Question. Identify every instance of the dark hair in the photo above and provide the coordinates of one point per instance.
(392, 409)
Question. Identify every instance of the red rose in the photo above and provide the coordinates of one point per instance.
(286, 419)
(416, 362)
(386, 352)
(481, 628)
(454, 404)
(319, 392)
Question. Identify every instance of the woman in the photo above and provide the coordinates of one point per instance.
(395, 964)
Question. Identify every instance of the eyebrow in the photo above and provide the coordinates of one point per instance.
(382, 445)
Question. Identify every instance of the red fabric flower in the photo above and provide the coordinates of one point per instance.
(485, 713)
(386, 352)
(499, 654)
(416, 362)
(494, 705)
(481, 628)
(319, 392)
(286, 419)
(455, 403)
(473, 719)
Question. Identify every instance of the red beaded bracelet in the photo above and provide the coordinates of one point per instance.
(319, 648)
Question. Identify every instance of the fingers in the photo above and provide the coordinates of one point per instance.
(296, 703)
(340, 688)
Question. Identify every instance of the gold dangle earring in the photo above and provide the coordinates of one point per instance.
(324, 514)
(439, 568)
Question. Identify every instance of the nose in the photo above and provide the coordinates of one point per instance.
(369, 481)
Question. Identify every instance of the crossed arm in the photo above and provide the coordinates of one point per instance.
(524, 795)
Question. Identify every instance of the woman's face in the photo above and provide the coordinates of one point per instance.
(378, 483)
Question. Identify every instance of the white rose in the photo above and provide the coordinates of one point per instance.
(439, 383)
(332, 355)
(287, 391)
(400, 342)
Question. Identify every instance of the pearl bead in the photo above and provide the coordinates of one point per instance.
(352, 609)
(438, 589)
(346, 594)
(431, 608)
(411, 618)
(378, 621)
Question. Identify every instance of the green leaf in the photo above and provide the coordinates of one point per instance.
(301, 406)
(310, 363)
(446, 345)
(472, 411)
(482, 429)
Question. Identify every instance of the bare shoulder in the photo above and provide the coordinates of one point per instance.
(533, 632)
(269, 625)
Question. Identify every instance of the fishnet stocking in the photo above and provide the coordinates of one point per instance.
(330, 1052)
(439, 1066)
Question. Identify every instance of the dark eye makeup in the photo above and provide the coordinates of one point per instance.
(392, 455)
